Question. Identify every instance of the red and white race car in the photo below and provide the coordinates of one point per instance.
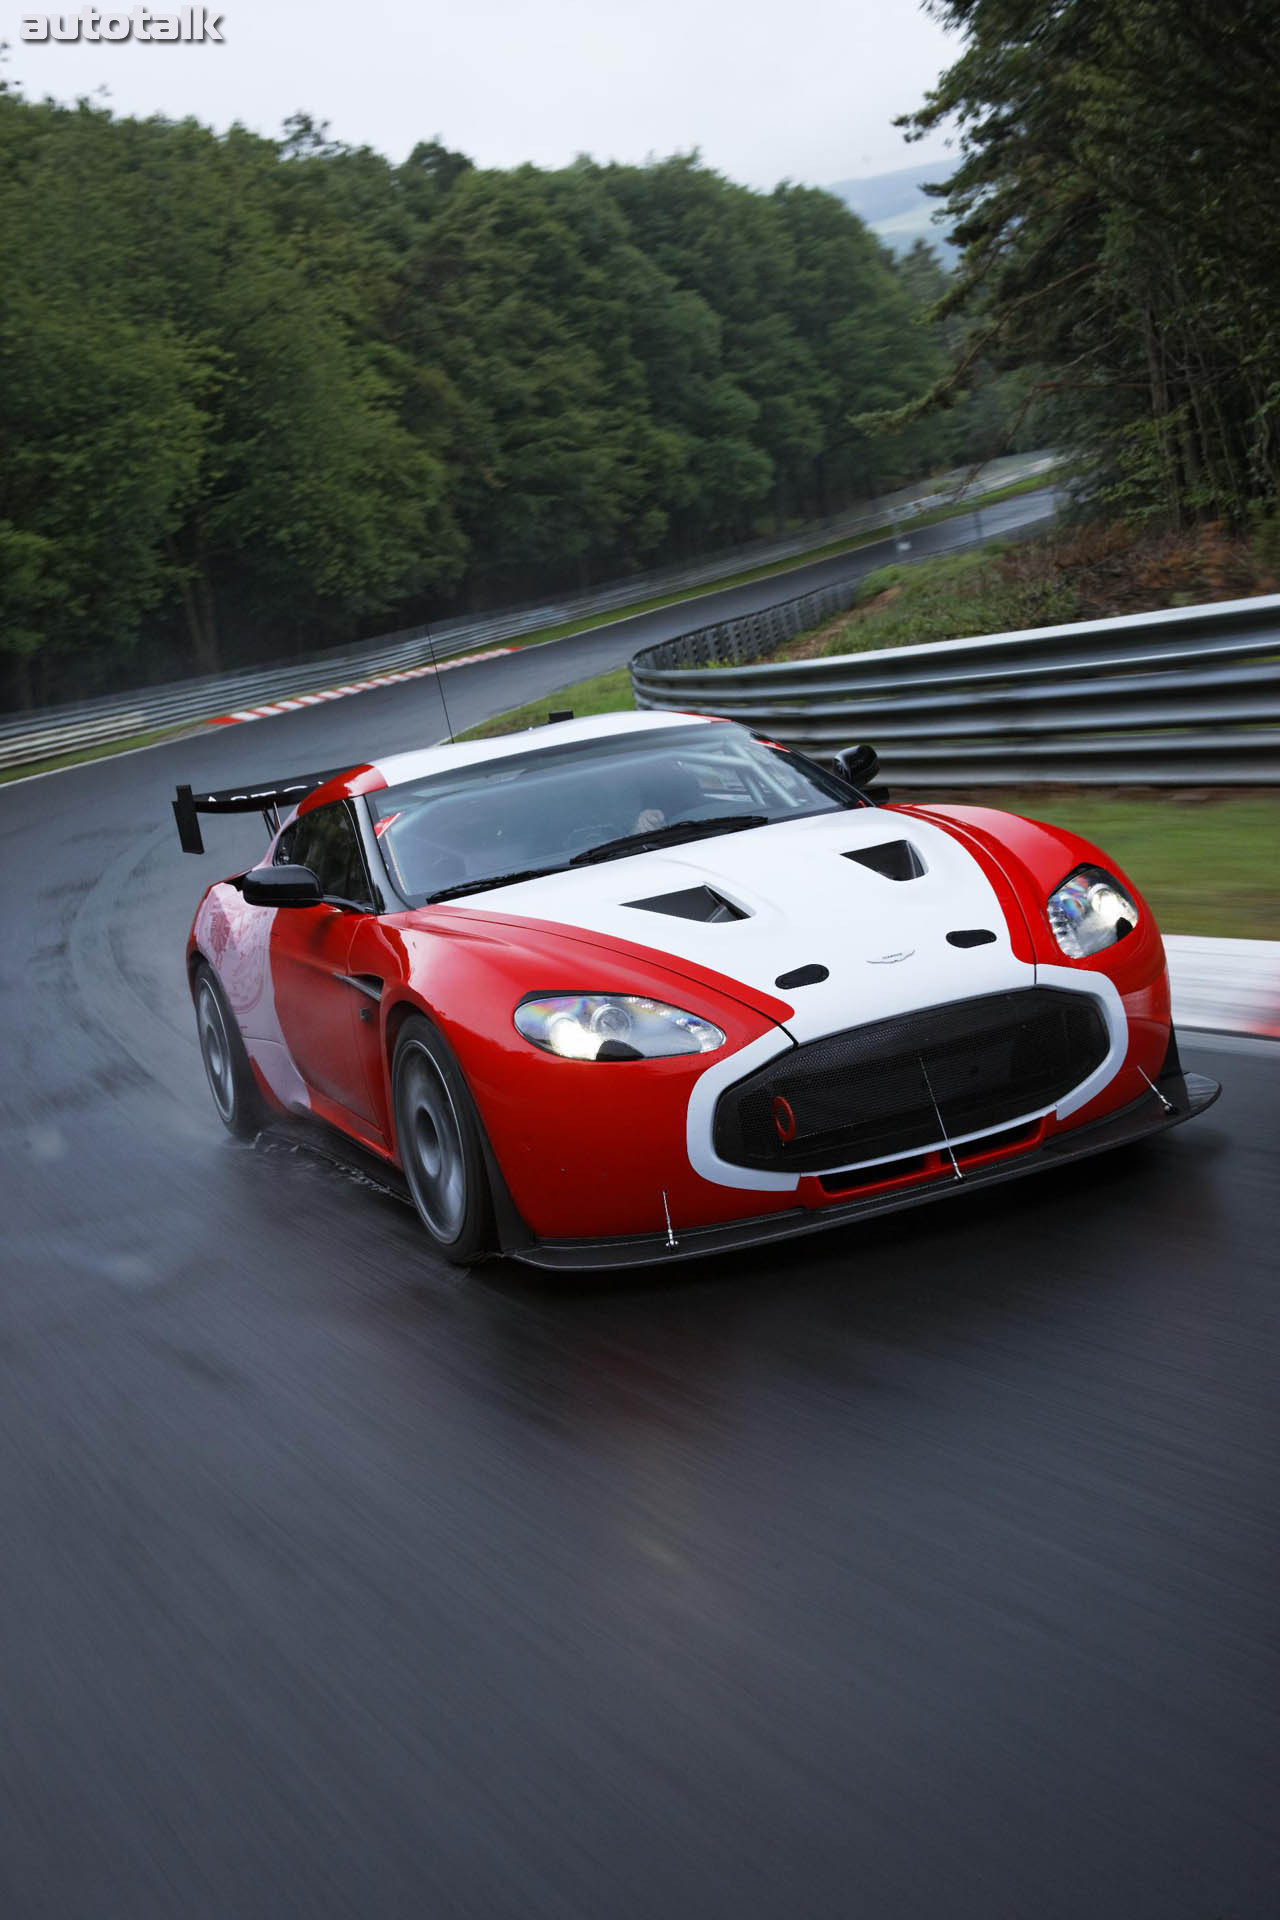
(628, 989)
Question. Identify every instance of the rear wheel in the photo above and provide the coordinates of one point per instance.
(235, 1091)
(438, 1140)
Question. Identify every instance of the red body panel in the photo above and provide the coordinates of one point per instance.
(586, 1149)
(318, 1010)
(591, 1149)
(1036, 858)
(344, 786)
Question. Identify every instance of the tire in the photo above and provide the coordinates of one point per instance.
(439, 1143)
(236, 1098)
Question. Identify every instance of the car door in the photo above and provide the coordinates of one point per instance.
(317, 999)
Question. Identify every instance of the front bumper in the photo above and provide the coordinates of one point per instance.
(1186, 1096)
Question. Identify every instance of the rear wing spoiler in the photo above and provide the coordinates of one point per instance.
(266, 799)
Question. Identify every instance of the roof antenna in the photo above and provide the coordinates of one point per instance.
(436, 670)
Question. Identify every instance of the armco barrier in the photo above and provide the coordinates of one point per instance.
(56, 730)
(1189, 697)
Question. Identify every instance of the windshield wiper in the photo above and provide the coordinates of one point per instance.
(668, 836)
(491, 880)
(609, 850)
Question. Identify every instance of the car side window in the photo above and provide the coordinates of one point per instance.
(325, 839)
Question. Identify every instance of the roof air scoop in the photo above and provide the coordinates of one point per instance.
(893, 859)
(691, 903)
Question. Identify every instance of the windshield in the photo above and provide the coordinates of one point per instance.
(541, 810)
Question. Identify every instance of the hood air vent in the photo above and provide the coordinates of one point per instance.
(894, 859)
(690, 903)
(803, 976)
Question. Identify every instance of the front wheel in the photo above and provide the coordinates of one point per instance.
(438, 1139)
(231, 1082)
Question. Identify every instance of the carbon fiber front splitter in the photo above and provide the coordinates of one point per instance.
(1180, 1097)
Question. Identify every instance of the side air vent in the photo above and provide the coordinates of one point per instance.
(970, 937)
(690, 903)
(895, 859)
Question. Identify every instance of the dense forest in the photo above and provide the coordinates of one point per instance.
(1115, 200)
(261, 395)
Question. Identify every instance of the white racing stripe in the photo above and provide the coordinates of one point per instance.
(883, 942)
(237, 939)
(1106, 996)
(700, 1120)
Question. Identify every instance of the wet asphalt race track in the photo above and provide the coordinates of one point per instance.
(925, 1570)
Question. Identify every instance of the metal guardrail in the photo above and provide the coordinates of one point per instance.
(57, 730)
(44, 735)
(1189, 697)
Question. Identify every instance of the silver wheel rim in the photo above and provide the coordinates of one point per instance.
(215, 1046)
(430, 1142)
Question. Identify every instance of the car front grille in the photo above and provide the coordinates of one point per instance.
(871, 1091)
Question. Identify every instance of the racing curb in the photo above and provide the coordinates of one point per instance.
(349, 687)
(1225, 986)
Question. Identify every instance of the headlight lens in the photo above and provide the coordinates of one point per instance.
(1089, 912)
(613, 1026)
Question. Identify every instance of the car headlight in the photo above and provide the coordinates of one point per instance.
(613, 1026)
(1090, 911)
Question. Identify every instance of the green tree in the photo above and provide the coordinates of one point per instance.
(195, 408)
(1114, 201)
(255, 394)
(100, 418)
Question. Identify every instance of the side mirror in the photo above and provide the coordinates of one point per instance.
(858, 765)
(281, 887)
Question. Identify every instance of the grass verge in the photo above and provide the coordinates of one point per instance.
(602, 693)
(991, 590)
(1205, 861)
(1090, 572)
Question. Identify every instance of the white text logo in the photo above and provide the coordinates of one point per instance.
(95, 23)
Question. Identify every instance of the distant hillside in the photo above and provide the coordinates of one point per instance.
(897, 209)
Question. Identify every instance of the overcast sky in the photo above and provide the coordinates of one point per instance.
(768, 89)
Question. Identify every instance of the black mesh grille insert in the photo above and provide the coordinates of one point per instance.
(866, 1092)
